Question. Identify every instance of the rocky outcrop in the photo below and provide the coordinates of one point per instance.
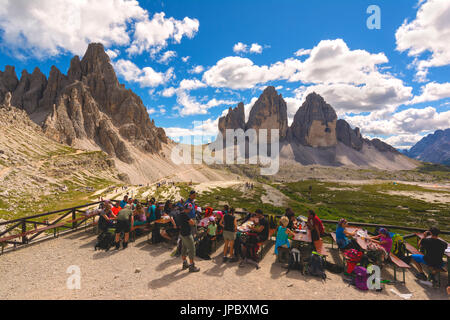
(86, 106)
(30, 90)
(8, 81)
(235, 119)
(314, 123)
(348, 136)
(269, 112)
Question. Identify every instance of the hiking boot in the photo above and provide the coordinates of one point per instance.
(117, 245)
(193, 268)
(185, 265)
(234, 259)
(125, 245)
(225, 259)
(421, 276)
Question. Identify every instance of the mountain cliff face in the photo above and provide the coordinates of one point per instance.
(86, 108)
(432, 148)
(235, 119)
(269, 112)
(315, 123)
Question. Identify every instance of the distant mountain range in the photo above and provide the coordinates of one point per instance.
(316, 135)
(433, 148)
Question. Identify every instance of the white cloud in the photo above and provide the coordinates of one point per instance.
(49, 27)
(432, 91)
(146, 77)
(409, 121)
(428, 32)
(240, 47)
(302, 52)
(241, 73)
(197, 70)
(112, 53)
(152, 35)
(256, 48)
(185, 59)
(403, 141)
(167, 56)
(243, 48)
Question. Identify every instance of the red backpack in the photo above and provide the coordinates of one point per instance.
(353, 257)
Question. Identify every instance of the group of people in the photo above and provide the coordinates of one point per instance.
(182, 220)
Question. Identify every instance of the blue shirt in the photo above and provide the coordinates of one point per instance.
(152, 211)
(341, 238)
(122, 204)
(192, 213)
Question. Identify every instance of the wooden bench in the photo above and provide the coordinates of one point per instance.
(398, 263)
(411, 249)
(263, 245)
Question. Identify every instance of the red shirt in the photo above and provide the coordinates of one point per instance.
(115, 210)
(316, 222)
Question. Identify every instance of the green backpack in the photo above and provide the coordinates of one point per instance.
(398, 246)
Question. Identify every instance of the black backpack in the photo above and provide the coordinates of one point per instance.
(316, 266)
(105, 241)
(334, 268)
(204, 248)
(294, 262)
(156, 235)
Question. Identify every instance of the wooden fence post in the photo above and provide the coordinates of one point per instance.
(74, 223)
(24, 229)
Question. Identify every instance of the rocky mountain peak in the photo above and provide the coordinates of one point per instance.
(235, 119)
(269, 112)
(315, 123)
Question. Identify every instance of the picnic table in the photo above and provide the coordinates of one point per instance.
(303, 237)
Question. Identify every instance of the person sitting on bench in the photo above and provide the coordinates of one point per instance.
(106, 217)
(342, 235)
(261, 228)
(168, 230)
(151, 211)
(292, 224)
(384, 240)
(283, 233)
(124, 202)
(434, 250)
(139, 215)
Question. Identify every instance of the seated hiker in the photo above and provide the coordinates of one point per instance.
(180, 203)
(384, 240)
(168, 207)
(169, 230)
(124, 202)
(434, 250)
(292, 221)
(139, 215)
(229, 225)
(135, 203)
(342, 235)
(106, 217)
(315, 225)
(187, 239)
(261, 228)
(283, 232)
(124, 222)
(151, 211)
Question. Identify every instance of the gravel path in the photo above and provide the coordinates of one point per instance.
(145, 271)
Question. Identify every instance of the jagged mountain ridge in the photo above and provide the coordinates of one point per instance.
(434, 148)
(316, 135)
(87, 108)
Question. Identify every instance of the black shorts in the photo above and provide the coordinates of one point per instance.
(314, 235)
(123, 226)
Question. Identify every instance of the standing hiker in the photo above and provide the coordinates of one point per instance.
(124, 222)
(187, 240)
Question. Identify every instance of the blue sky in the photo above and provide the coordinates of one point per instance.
(191, 60)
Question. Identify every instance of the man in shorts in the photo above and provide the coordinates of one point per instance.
(187, 240)
(434, 250)
(124, 222)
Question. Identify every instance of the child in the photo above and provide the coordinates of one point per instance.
(283, 233)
